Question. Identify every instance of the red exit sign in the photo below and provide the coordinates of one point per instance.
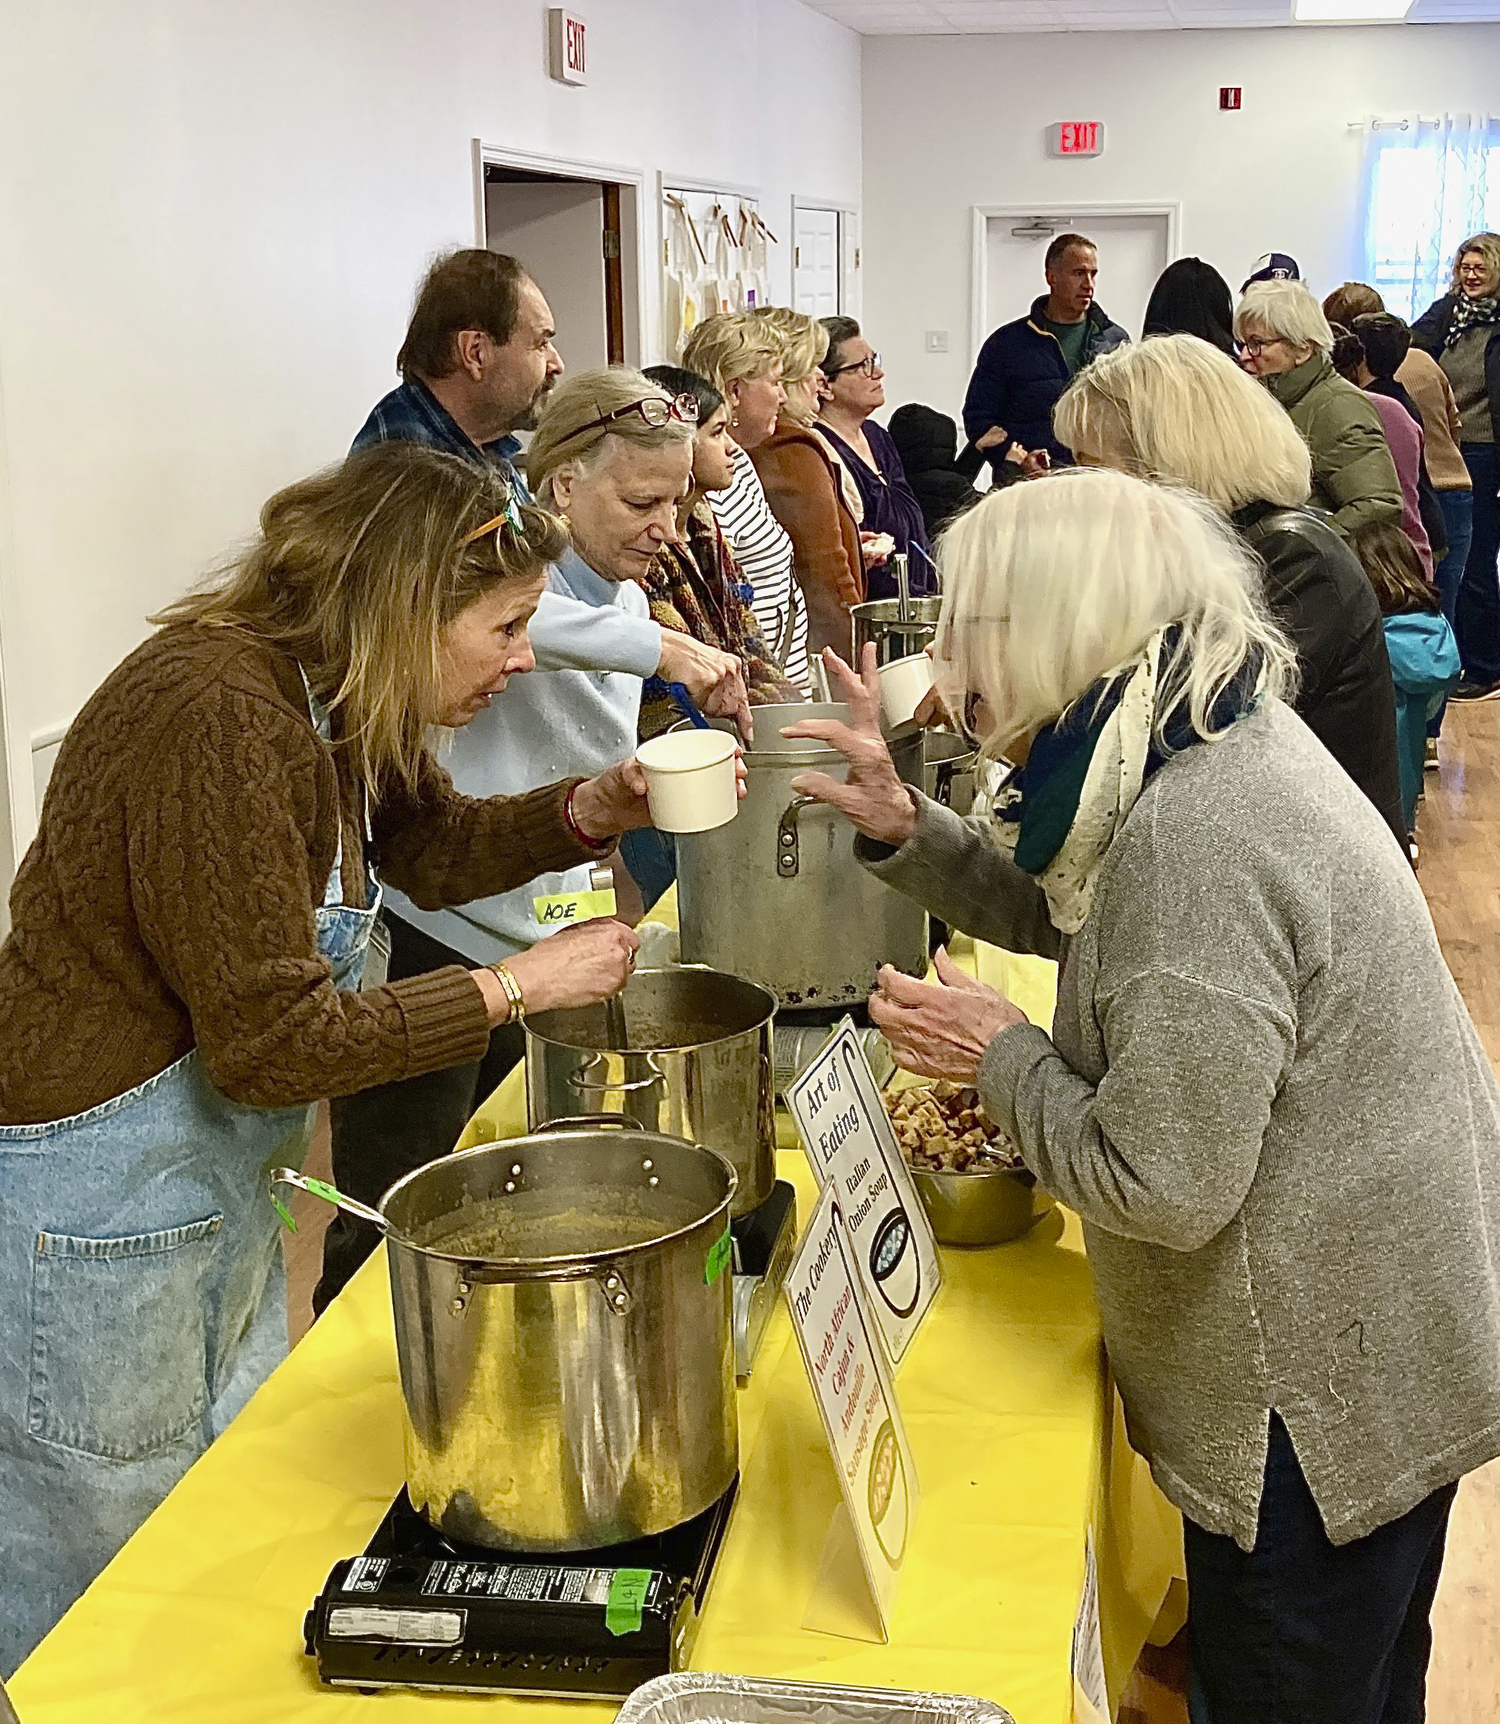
(1076, 138)
(567, 46)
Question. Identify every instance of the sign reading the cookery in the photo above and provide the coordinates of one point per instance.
(1076, 138)
(856, 1399)
(848, 1138)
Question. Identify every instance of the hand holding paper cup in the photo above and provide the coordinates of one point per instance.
(692, 779)
(904, 684)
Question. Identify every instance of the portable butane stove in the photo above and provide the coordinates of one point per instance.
(763, 1244)
(418, 1611)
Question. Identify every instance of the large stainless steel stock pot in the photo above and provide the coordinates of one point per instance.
(563, 1330)
(880, 620)
(777, 895)
(696, 1063)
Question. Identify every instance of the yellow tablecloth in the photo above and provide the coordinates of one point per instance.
(1018, 1446)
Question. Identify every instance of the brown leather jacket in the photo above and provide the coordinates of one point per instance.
(803, 485)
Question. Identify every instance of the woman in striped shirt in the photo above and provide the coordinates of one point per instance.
(744, 364)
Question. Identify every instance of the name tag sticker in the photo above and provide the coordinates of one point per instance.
(561, 909)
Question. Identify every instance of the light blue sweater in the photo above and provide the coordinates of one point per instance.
(549, 724)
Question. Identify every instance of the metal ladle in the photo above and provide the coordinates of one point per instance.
(330, 1194)
(601, 879)
(901, 569)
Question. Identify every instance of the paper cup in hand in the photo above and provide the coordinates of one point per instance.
(903, 683)
(690, 780)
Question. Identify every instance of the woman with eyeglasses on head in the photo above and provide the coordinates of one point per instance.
(1462, 332)
(855, 389)
(610, 455)
(182, 978)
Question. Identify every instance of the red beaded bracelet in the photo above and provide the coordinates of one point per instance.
(577, 831)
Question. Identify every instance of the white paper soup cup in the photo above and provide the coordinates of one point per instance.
(690, 780)
(903, 683)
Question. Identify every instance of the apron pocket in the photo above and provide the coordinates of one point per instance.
(118, 1353)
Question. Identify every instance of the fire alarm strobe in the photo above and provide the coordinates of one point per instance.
(1229, 98)
(1076, 138)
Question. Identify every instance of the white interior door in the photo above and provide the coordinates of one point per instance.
(1134, 248)
(815, 261)
(556, 228)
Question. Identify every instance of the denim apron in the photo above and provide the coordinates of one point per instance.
(142, 1300)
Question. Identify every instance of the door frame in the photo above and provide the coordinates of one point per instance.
(633, 249)
(850, 279)
(17, 785)
(981, 215)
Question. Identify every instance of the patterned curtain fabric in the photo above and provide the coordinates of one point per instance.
(1428, 186)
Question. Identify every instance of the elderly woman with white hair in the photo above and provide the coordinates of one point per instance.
(1178, 411)
(1286, 342)
(1261, 1092)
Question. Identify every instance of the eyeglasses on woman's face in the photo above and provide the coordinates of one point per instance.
(1255, 345)
(655, 411)
(870, 364)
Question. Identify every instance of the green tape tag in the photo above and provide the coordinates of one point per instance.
(285, 1213)
(627, 1596)
(719, 1254)
(321, 1188)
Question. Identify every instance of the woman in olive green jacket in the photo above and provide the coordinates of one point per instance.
(1285, 341)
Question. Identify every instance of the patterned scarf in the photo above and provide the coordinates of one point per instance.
(1059, 815)
(1470, 314)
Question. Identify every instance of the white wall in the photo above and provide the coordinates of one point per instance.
(951, 122)
(213, 217)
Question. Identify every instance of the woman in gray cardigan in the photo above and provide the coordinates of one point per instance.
(1262, 1092)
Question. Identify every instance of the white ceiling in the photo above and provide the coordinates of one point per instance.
(994, 17)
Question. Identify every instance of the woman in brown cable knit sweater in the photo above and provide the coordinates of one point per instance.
(181, 980)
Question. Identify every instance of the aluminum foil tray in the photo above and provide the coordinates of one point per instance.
(702, 1698)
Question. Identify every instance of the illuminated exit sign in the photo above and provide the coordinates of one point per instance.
(567, 46)
(1076, 138)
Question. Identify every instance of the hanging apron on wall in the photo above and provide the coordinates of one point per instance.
(142, 1300)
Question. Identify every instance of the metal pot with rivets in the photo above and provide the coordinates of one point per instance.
(563, 1327)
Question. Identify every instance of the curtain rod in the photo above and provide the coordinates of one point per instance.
(1403, 125)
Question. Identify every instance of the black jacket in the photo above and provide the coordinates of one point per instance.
(1320, 595)
(1430, 331)
(941, 477)
(1019, 375)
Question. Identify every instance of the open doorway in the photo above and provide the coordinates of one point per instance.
(576, 234)
(1136, 243)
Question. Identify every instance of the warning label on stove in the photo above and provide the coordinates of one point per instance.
(526, 1583)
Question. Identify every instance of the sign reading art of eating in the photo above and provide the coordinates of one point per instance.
(848, 1138)
(856, 1399)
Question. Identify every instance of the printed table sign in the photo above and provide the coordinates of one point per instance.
(856, 1400)
(848, 1138)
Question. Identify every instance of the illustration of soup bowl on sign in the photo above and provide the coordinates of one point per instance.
(890, 1502)
(893, 1264)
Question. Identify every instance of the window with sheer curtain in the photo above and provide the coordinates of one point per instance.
(1429, 184)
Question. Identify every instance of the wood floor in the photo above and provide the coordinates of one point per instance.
(1459, 832)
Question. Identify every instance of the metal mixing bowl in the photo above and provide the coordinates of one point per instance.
(985, 1207)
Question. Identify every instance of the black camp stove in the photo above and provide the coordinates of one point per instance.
(420, 1611)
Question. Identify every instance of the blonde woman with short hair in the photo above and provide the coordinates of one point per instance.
(1286, 342)
(1462, 332)
(809, 489)
(1260, 1090)
(740, 356)
(1177, 411)
(181, 983)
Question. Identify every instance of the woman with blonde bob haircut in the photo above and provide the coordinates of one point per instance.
(1258, 1060)
(810, 490)
(182, 979)
(1175, 410)
(742, 357)
(1286, 342)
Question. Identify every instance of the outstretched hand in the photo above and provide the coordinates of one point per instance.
(872, 798)
(940, 1029)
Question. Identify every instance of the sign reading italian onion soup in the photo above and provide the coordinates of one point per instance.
(856, 1399)
(849, 1141)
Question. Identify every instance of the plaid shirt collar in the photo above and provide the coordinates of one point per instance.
(413, 414)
